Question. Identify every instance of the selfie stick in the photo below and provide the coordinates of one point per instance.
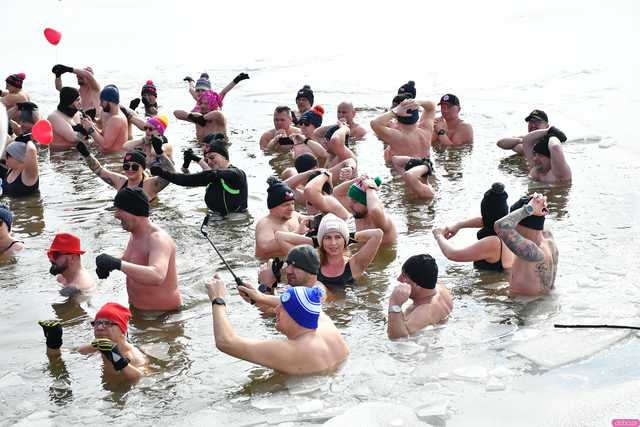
(205, 222)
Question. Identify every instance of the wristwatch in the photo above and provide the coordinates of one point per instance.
(528, 209)
(90, 131)
(218, 301)
(306, 141)
(395, 309)
(442, 132)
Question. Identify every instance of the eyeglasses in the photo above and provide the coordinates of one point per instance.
(133, 166)
(149, 128)
(102, 323)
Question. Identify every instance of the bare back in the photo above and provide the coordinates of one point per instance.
(434, 312)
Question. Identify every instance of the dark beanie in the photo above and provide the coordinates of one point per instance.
(149, 88)
(422, 269)
(6, 216)
(215, 137)
(305, 162)
(542, 147)
(110, 93)
(411, 119)
(313, 116)
(305, 92)
(533, 222)
(493, 207)
(136, 156)
(26, 111)
(68, 95)
(327, 188)
(17, 79)
(133, 201)
(217, 147)
(408, 88)
(278, 193)
(399, 98)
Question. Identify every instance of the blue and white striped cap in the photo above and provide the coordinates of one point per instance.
(303, 305)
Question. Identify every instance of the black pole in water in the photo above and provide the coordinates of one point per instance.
(598, 326)
(205, 222)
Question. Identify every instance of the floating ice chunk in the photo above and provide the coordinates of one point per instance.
(471, 373)
(271, 403)
(306, 385)
(11, 380)
(312, 405)
(434, 413)
(494, 384)
(501, 372)
(158, 350)
(376, 414)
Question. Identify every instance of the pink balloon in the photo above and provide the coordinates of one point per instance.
(52, 36)
(42, 132)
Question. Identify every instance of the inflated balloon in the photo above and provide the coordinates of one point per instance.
(52, 36)
(42, 132)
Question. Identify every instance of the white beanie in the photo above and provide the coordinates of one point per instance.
(331, 223)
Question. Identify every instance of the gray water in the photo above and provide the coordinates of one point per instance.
(566, 59)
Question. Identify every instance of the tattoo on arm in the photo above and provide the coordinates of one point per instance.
(106, 179)
(521, 247)
(93, 164)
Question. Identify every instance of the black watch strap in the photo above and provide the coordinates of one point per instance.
(218, 301)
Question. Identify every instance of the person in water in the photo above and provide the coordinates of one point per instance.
(545, 156)
(64, 255)
(432, 302)
(20, 175)
(28, 115)
(14, 92)
(8, 245)
(449, 129)
(304, 101)
(282, 129)
(313, 344)
(318, 194)
(65, 120)
(536, 120)
(149, 260)
(122, 362)
(489, 252)
(153, 127)
(114, 131)
(226, 184)
(534, 269)
(89, 87)
(133, 167)
(416, 175)
(337, 268)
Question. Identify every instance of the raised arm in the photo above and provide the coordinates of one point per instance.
(428, 115)
(509, 143)
(287, 240)
(159, 257)
(521, 247)
(115, 180)
(479, 250)
(237, 79)
(88, 77)
(324, 202)
(381, 126)
(559, 165)
(31, 163)
(371, 240)
(200, 179)
(133, 143)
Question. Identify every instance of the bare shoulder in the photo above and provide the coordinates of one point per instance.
(161, 237)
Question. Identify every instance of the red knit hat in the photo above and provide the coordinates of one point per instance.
(67, 243)
(116, 313)
(16, 80)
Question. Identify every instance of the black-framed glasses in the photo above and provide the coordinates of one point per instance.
(133, 166)
(102, 322)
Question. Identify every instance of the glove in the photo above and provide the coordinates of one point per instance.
(156, 143)
(285, 140)
(52, 332)
(126, 112)
(554, 131)
(82, 148)
(134, 103)
(60, 69)
(276, 268)
(158, 171)
(105, 264)
(91, 113)
(80, 129)
(240, 77)
(188, 79)
(110, 350)
(189, 156)
(199, 119)
(352, 238)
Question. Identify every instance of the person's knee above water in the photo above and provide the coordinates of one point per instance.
(489, 252)
(544, 153)
(64, 255)
(278, 137)
(449, 128)
(149, 260)
(431, 302)
(121, 360)
(536, 263)
(536, 120)
(20, 177)
(226, 184)
(318, 194)
(8, 246)
(313, 344)
(415, 174)
(113, 135)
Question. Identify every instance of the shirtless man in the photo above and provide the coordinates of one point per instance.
(64, 255)
(14, 92)
(65, 120)
(545, 156)
(432, 302)
(282, 216)
(416, 175)
(449, 129)
(534, 269)
(319, 196)
(89, 88)
(537, 119)
(313, 345)
(360, 196)
(347, 114)
(282, 128)
(209, 120)
(149, 261)
(122, 362)
(114, 132)
(410, 136)
(8, 246)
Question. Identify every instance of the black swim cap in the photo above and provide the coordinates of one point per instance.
(133, 201)
(533, 222)
(422, 269)
(305, 162)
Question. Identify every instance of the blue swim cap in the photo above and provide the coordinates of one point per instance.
(110, 93)
(303, 305)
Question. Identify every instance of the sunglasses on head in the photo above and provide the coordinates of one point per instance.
(133, 166)
(102, 322)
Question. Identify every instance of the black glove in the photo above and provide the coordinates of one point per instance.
(188, 79)
(80, 129)
(554, 131)
(134, 103)
(240, 77)
(10, 130)
(60, 69)
(126, 112)
(352, 238)
(105, 264)
(158, 171)
(198, 119)
(55, 269)
(189, 156)
(82, 148)
(276, 268)
(52, 332)
(156, 143)
(285, 140)
(110, 350)
(91, 113)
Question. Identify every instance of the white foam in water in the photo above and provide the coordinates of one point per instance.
(376, 414)
(494, 384)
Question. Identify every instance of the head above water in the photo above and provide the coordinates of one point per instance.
(282, 117)
(6, 216)
(15, 80)
(305, 258)
(533, 222)
(133, 201)
(117, 314)
(304, 98)
(421, 270)
(408, 88)
(278, 193)
(493, 206)
(312, 117)
(303, 305)
(332, 224)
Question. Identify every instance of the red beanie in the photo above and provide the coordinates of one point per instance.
(16, 80)
(116, 313)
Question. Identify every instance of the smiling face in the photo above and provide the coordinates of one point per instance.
(132, 170)
(104, 328)
(449, 111)
(284, 211)
(333, 243)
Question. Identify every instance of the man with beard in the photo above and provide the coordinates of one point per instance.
(536, 120)
(64, 255)
(149, 260)
(543, 150)
(114, 133)
(65, 121)
(282, 129)
(449, 129)
(89, 88)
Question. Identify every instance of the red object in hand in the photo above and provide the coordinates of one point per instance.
(42, 132)
(52, 36)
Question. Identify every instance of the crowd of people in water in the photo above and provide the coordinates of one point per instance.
(306, 233)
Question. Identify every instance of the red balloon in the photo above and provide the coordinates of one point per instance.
(52, 36)
(42, 132)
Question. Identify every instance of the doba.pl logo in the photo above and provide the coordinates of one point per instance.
(623, 422)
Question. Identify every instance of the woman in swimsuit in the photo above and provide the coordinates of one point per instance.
(8, 246)
(337, 269)
(489, 252)
(20, 177)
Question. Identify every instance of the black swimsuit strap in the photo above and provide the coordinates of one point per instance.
(10, 246)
